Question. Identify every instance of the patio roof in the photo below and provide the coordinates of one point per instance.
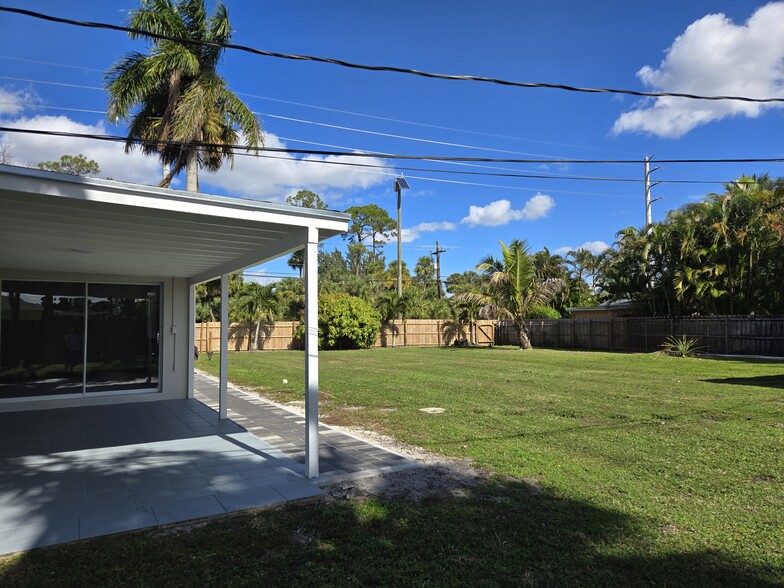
(57, 222)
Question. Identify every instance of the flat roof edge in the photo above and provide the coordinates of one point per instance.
(173, 195)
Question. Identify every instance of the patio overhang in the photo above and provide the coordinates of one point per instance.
(55, 222)
(70, 225)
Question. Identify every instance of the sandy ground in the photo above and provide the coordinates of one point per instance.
(436, 475)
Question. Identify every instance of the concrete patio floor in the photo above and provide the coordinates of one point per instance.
(76, 473)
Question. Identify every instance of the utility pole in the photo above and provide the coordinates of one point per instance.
(648, 187)
(400, 185)
(438, 253)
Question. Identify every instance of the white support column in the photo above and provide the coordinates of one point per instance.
(224, 348)
(191, 335)
(310, 256)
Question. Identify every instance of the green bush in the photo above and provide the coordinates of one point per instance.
(539, 311)
(682, 346)
(346, 322)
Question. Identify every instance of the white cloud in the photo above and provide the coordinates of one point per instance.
(594, 247)
(259, 275)
(273, 179)
(12, 102)
(413, 233)
(114, 162)
(713, 56)
(251, 177)
(501, 212)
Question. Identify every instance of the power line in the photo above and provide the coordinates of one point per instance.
(348, 112)
(384, 68)
(507, 172)
(353, 150)
(305, 121)
(50, 63)
(394, 136)
(393, 156)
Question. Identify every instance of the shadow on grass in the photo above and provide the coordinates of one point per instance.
(761, 381)
(506, 533)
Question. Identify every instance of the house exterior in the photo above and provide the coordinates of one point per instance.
(604, 310)
(101, 274)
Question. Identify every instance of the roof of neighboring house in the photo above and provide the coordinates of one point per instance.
(58, 222)
(609, 305)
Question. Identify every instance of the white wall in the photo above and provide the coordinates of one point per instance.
(174, 346)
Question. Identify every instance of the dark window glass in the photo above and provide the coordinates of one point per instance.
(41, 338)
(122, 336)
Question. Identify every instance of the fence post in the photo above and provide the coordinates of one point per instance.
(610, 327)
(726, 335)
(590, 334)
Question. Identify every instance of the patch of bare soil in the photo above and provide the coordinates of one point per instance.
(435, 476)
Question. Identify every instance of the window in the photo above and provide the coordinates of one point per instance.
(65, 338)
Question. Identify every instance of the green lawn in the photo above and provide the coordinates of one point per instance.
(656, 470)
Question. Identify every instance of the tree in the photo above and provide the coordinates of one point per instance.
(346, 322)
(392, 306)
(373, 223)
(258, 304)
(177, 104)
(208, 296)
(425, 274)
(515, 286)
(290, 294)
(724, 255)
(468, 308)
(305, 199)
(468, 281)
(6, 154)
(75, 165)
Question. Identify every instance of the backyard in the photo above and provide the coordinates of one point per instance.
(611, 469)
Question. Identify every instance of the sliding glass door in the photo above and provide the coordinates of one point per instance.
(122, 337)
(66, 338)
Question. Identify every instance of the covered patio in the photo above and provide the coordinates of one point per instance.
(99, 428)
(84, 259)
(77, 473)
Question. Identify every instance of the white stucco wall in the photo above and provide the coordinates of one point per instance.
(174, 360)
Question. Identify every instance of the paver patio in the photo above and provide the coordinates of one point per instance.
(75, 473)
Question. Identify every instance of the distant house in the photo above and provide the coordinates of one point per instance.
(97, 282)
(602, 311)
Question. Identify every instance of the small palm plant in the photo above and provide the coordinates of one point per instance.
(682, 346)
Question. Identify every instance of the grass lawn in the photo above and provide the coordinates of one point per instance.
(655, 470)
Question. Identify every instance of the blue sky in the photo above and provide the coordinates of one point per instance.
(704, 47)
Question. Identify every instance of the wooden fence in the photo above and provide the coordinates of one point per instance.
(731, 335)
(272, 336)
(409, 333)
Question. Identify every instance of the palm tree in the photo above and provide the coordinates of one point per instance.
(258, 303)
(469, 308)
(392, 306)
(173, 97)
(515, 286)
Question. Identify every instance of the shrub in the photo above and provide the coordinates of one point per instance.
(346, 322)
(540, 311)
(682, 346)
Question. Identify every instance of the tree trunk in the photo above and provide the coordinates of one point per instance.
(192, 171)
(256, 336)
(522, 334)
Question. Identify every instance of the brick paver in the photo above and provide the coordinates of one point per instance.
(340, 454)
